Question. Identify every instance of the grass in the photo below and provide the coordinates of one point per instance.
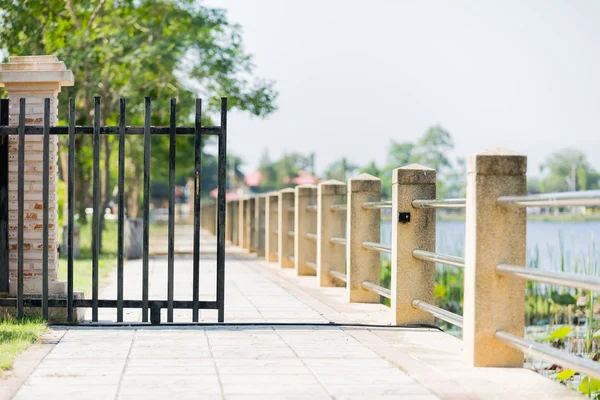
(16, 336)
(82, 267)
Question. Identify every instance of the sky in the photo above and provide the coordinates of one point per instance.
(354, 75)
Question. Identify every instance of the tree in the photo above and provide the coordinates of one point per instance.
(340, 170)
(432, 149)
(568, 170)
(132, 49)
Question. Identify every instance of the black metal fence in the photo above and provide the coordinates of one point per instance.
(146, 304)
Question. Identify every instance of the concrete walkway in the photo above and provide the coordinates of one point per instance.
(260, 362)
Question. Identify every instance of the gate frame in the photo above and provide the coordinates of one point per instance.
(154, 306)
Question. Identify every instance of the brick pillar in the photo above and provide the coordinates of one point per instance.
(34, 78)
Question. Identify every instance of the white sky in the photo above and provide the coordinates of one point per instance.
(353, 75)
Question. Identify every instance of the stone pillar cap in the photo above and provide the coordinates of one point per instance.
(413, 174)
(35, 69)
(497, 161)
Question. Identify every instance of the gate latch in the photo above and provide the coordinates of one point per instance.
(404, 217)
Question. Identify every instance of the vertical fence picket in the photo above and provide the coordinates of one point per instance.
(222, 159)
(96, 216)
(45, 203)
(146, 235)
(171, 239)
(197, 167)
(71, 210)
(21, 204)
(121, 216)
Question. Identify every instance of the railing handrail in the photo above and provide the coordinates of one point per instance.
(371, 205)
(340, 241)
(439, 313)
(384, 248)
(311, 236)
(587, 198)
(311, 265)
(311, 207)
(339, 275)
(380, 290)
(439, 258)
(339, 207)
(551, 277)
(440, 203)
(551, 354)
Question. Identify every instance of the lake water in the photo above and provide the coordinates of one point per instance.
(580, 243)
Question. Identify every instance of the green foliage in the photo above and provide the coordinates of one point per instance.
(565, 375)
(559, 334)
(589, 385)
(136, 48)
(568, 169)
(16, 336)
(279, 174)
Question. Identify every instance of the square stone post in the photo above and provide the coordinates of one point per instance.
(412, 278)
(242, 223)
(285, 226)
(259, 225)
(271, 232)
(330, 224)
(364, 225)
(494, 235)
(250, 221)
(34, 78)
(305, 223)
(229, 222)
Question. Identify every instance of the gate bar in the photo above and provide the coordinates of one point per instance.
(4, 247)
(121, 211)
(96, 216)
(197, 169)
(222, 159)
(108, 303)
(21, 198)
(171, 240)
(147, 121)
(45, 203)
(71, 210)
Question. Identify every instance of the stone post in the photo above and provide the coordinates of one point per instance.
(34, 78)
(305, 222)
(259, 225)
(234, 222)
(494, 235)
(363, 226)
(241, 223)
(285, 225)
(250, 223)
(330, 224)
(229, 222)
(412, 278)
(271, 233)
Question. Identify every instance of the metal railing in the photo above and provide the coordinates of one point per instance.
(551, 354)
(383, 248)
(440, 203)
(439, 258)
(291, 233)
(312, 208)
(340, 241)
(586, 198)
(375, 205)
(439, 313)
(552, 277)
(339, 207)
(311, 236)
(380, 290)
(311, 265)
(339, 275)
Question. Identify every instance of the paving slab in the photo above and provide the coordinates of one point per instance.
(300, 361)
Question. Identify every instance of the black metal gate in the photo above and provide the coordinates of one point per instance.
(145, 304)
